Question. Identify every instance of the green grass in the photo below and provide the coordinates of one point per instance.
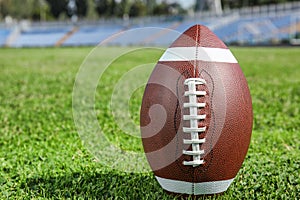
(42, 155)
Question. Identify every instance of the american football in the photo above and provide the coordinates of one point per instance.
(196, 115)
(149, 99)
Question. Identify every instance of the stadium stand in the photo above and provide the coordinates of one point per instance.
(92, 35)
(4, 33)
(40, 36)
(142, 34)
(256, 25)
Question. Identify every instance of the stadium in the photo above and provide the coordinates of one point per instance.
(261, 25)
(72, 78)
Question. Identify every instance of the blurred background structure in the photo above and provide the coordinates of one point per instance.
(47, 23)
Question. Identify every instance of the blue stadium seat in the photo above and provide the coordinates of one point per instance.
(40, 37)
(92, 35)
(146, 34)
(282, 21)
(134, 36)
(4, 33)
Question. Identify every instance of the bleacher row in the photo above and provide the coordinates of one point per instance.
(231, 29)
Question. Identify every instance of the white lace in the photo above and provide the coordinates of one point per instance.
(193, 117)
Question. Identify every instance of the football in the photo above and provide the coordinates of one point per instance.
(196, 115)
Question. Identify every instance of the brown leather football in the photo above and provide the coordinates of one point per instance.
(196, 115)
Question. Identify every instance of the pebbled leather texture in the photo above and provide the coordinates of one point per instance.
(228, 114)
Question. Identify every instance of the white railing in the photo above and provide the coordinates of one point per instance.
(266, 10)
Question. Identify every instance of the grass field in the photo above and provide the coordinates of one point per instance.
(42, 155)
